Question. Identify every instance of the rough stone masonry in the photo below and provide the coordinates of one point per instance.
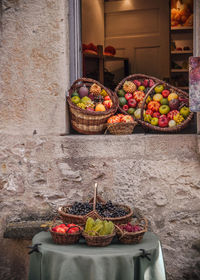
(40, 170)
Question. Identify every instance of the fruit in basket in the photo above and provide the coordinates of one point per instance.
(122, 101)
(75, 99)
(130, 228)
(163, 121)
(145, 83)
(138, 95)
(171, 114)
(154, 106)
(164, 109)
(107, 98)
(151, 83)
(125, 107)
(114, 119)
(164, 101)
(149, 112)
(137, 83)
(75, 93)
(174, 104)
(83, 91)
(95, 89)
(129, 86)
(81, 105)
(128, 96)
(185, 111)
(104, 93)
(121, 93)
(132, 103)
(137, 113)
(69, 228)
(108, 104)
(141, 88)
(156, 115)
(100, 107)
(90, 109)
(127, 119)
(147, 118)
(172, 95)
(131, 111)
(178, 118)
(159, 89)
(98, 227)
(172, 123)
(86, 100)
(165, 93)
(148, 99)
(91, 96)
(154, 121)
(157, 97)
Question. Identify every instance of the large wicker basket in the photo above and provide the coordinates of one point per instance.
(174, 129)
(90, 122)
(133, 237)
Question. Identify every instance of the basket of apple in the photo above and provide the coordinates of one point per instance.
(121, 124)
(65, 233)
(131, 92)
(165, 108)
(90, 105)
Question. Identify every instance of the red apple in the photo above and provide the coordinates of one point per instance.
(163, 121)
(151, 83)
(137, 83)
(132, 103)
(125, 107)
(108, 104)
(145, 83)
(107, 97)
(128, 96)
(171, 114)
(149, 112)
(165, 93)
(156, 114)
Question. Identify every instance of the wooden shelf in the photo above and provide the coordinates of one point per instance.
(179, 70)
(182, 28)
(182, 52)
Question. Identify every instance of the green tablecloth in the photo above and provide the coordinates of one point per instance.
(80, 262)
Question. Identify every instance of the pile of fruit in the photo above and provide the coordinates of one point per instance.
(69, 228)
(120, 118)
(130, 228)
(165, 108)
(131, 95)
(98, 227)
(92, 99)
(107, 209)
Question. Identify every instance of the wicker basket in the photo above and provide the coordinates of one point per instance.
(139, 77)
(176, 128)
(132, 237)
(81, 220)
(65, 238)
(90, 122)
(98, 241)
(121, 128)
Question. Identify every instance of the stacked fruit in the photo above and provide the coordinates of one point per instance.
(92, 99)
(130, 228)
(98, 227)
(165, 108)
(131, 95)
(69, 228)
(120, 118)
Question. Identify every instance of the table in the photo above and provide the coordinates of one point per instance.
(80, 262)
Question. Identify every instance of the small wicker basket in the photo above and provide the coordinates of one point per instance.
(121, 128)
(65, 238)
(132, 237)
(98, 241)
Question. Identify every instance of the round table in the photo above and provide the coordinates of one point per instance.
(81, 262)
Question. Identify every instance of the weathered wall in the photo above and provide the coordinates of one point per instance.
(160, 175)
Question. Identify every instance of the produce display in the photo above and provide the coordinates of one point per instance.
(165, 108)
(130, 228)
(63, 228)
(92, 98)
(107, 209)
(120, 118)
(98, 227)
(131, 95)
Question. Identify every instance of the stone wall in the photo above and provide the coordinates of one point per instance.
(160, 175)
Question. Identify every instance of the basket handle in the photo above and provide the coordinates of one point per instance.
(145, 222)
(145, 98)
(73, 227)
(95, 196)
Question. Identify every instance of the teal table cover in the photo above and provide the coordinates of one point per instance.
(81, 262)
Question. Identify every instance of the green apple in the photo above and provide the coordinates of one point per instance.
(122, 101)
(131, 111)
(164, 109)
(172, 123)
(154, 121)
(141, 88)
(159, 89)
(121, 93)
(185, 111)
(86, 100)
(164, 101)
(75, 99)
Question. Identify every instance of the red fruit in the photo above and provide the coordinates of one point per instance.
(90, 109)
(151, 83)
(128, 96)
(108, 103)
(145, 83)
(149, 112)
(60, 230)
(137, 83)
(139, 95)
(125, 107)
(107, 97)
(171, 114)
(163, 121)
(132, 103)
(156, 115)
(154, 106)
(165, 93)
(91, 96)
